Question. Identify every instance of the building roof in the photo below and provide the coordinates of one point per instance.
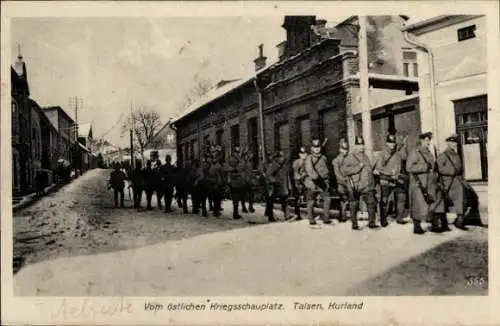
(435, 20)
(61, 110)
(212, 95)
(84, 130)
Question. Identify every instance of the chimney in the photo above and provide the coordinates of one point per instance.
(260, 62)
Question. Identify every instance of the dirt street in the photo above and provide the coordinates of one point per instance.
(80, 219)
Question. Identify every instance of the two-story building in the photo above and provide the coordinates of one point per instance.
(453, 87)
(65, 128)
(311, 91)
(164, 142)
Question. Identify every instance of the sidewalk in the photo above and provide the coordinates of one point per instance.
(27, 200)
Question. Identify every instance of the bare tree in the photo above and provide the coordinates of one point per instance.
(201, 87)
(145, 123)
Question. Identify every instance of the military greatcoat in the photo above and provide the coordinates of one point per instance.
(357, 167)
(420, 164)
(316, 166)
(278, 176)
(342, 180)
(450, 171)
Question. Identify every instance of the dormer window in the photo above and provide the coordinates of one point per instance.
(466, 33)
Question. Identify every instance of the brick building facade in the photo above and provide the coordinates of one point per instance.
(311, 92)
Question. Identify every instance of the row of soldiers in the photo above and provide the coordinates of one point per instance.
(433, 182)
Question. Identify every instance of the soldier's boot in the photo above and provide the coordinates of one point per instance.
(444, 223)
(250, 203)
(383, 214)
(297, 209)
(310, 213)
(159, 199)
(370, 205)
(244, 207)
(236, 215)
(184, 205)
(435, 223)
(417, 228)
(204, 212)
(326, 210)
(284, 207)
(400, 207)
(354, 218)
(459, 223)
(210, 204)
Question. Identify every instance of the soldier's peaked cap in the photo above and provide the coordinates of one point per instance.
(426, 135)
(302, 150)
(359, 141)
(453, 138)
(315, 143)
(391, 138)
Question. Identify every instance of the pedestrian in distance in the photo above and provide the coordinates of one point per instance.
(167, 174)
(357, 168)
(299, 177)
(424, 194)
(278, 177)
(137, 183)
(158, 185)
(317, 182)
(387, 171)
(342, 181)
(117, 183)
(150, 183)
(451, 178)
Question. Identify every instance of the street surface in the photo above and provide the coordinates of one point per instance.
(74, 243)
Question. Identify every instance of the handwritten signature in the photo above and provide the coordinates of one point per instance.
(89, 310)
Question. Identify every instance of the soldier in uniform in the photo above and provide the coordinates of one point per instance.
(136, 178)
(215, 181)
(424, 194)
(342, 181)
(235, 179)
(248, 192)
(181, 186)
(357, 168)
(450, 171)
(117, 183)
(150, 183)
(299, 176)
(158, 185)
(200, 186)
(317, 182)
(278, 177)
(167, 173)
(387, 169)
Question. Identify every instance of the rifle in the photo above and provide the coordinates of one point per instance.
(439, 181)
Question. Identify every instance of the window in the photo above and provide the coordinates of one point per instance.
(282, 137)
(410, 66)
(170, 139)
(471, 116)
(235, 136)
(218, 137)
(303, 137)
(466, 33)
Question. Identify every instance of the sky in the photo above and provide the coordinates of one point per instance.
(114, 63)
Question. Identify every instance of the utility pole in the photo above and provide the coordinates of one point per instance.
(76, 119)
(364, 87)
(132, 160)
